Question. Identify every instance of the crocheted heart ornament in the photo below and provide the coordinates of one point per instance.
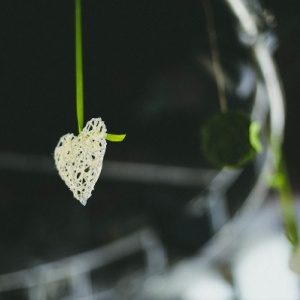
(78, 159)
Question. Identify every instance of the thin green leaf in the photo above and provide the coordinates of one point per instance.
(115, 137)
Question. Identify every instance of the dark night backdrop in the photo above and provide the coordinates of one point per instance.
(126, 44)
(129, 46)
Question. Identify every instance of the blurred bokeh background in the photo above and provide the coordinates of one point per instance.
(146, 73)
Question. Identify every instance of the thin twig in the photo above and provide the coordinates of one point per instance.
(215, 54)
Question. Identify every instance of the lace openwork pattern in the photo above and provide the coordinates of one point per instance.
(79, 159)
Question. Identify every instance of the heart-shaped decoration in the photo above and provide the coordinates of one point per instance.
(79, 159)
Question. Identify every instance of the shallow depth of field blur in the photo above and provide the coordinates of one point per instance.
(146, 73)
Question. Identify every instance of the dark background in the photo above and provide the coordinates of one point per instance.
(129, 48)
(126, 45)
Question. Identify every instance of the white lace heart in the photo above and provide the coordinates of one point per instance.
(78, 159)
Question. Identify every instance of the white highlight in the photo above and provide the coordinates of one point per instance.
(262, 272)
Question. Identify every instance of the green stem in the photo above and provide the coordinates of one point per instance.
(79, 72)
(212, 35)
(282, 184)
